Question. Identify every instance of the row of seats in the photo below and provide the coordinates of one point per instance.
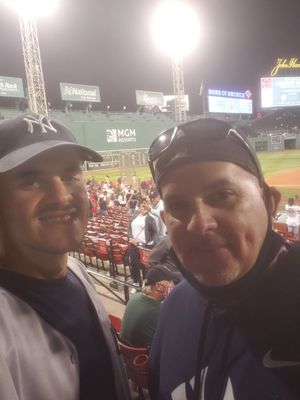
(105, 244)
(282, 229)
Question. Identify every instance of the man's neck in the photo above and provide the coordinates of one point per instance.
(36, 265)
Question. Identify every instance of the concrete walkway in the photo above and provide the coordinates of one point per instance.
(111, 303)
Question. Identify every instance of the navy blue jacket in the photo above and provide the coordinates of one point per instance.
(245, 350)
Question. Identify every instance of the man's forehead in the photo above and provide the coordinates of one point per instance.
(51, 160)
(62, 154)
(208, 173)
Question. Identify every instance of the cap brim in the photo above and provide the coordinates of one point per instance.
(20, 156)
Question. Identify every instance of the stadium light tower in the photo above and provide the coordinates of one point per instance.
(176, 30)
(28, 11)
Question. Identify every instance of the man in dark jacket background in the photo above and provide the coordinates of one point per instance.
(231, 330)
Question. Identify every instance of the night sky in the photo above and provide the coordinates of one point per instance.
(108, 43)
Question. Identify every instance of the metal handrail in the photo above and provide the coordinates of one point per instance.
(126, 285)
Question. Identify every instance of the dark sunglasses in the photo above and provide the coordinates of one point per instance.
(195, 132)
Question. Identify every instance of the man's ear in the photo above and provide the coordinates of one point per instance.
(273, 200)
(158, 286)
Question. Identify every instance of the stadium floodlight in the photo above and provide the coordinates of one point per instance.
(176, 30)
(33, 8)
(27, 11)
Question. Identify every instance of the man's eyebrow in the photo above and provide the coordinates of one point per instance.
(37, 171)
(28, 173)
(73, 168)
(173, 196)
(221, 182)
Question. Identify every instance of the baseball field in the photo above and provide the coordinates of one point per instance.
(281, 169)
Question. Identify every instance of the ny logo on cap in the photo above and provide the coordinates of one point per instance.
(41, 121)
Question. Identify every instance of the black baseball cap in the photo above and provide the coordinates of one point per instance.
(158, 273)
(28, 135)
(205, 139)
(153, 194)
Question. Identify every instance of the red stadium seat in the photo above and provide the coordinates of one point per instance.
(144, 256)
(136, 362)
(116, 322)
(102, 252)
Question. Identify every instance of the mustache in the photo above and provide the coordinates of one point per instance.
(209, 241)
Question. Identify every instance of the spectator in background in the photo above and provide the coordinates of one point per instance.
(133, 202)
(142, 311)
(142, 231)
(107, 183)
(144, 188)
(103, 204)
(94, 203)
(292, 220)
(121, 198)
(119, 182)
(162, 254)
(110, 201)
(157, 206)
(134, 180)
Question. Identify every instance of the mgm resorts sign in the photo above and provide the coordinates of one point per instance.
(120, 135)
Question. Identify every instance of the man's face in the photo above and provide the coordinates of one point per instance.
(216, 219)
(144, 208)
(44, 204)
(154, 200)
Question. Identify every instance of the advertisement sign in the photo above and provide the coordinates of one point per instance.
(280, 91)
(74, 92)
(117, 135)
(285, 64)
(170, 100)
(230, 101)
(144, 98)
(11, 87)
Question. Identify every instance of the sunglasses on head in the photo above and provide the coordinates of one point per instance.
(194, 133)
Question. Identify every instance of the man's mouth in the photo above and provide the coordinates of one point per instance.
(58, 217)
(58, 220)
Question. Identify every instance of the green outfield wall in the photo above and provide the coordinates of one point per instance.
(111, 131)
(117, 135)
(275, 142)
(132, 133)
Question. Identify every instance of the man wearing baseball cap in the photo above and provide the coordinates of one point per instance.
(55, 338)
(231, 330)
(142, 311)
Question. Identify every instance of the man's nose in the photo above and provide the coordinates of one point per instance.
(202, 219)
(58, 191)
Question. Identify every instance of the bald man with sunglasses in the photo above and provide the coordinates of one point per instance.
(231, 330)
